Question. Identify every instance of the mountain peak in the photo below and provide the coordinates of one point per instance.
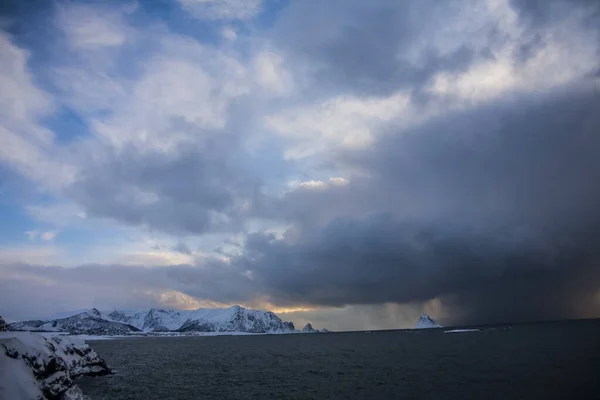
(425, 321)
(308, 328)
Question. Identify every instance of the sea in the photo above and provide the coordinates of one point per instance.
(554, 360)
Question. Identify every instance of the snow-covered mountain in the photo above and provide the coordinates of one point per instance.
(32, 325)
(234, 319)
(309, 329)
(87, 322)
(116, 322)
(425, 321)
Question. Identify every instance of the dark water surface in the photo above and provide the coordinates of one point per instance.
(538, 361)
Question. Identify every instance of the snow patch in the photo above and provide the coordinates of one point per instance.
(426, 322)
(462, 330)
(35, 367)
(16, 379)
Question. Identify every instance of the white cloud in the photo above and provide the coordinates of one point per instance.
(347, 121)
(222, 9)
(90, 89)
(229, 33)
(312, 185)
(27, 146)
(88, 79)
(20, 98)
(48, 235)
(339, 181)
(201, 83)
(564, 52)
(93, 28)
(271, 73)
(317, 185)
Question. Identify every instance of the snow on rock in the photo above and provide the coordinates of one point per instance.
(154, 320)
(3, 326)
(234, 319)
(35, 367)
(32, 325)
(425, 321)
(16, 380)
(309, 329)
(288, 326)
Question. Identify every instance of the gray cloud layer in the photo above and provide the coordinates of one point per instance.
(493, 208)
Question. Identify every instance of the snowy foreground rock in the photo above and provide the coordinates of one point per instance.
(39, 368)
(122, 322)
(425, 321)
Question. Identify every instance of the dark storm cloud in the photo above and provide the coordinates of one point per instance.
(366, 47)
(530, 160)
(494, 208)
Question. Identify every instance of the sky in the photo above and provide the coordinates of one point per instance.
(346, 163)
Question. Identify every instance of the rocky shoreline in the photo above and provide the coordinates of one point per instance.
(43, 368)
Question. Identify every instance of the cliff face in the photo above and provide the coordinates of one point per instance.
(34, 367)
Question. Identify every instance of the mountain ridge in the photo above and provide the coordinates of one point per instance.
(125, 322)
